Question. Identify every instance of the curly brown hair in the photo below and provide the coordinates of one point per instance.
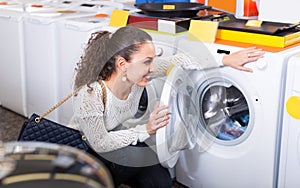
(98, 60)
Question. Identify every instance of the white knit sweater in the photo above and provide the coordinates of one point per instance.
(103, 130)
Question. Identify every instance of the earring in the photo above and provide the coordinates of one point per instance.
(124, 77)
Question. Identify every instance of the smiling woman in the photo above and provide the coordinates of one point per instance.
(123, 61)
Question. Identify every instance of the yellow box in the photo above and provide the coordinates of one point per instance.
(260, 39)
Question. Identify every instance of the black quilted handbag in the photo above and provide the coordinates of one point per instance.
(38, 128)
(45, 130)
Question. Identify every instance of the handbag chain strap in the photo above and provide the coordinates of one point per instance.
(38, 119)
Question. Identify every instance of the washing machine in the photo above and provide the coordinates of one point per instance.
(225, 124)
(289, 167)
(12, 71)
(41, 56)
(13, 95)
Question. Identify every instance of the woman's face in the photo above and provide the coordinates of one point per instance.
(141, 64)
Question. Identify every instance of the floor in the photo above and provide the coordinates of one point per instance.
(10, 126)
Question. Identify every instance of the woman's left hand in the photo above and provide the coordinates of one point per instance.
(238, 59)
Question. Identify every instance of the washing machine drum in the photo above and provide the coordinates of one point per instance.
(35, 165)
(224, 111)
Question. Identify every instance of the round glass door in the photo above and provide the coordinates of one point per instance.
(224, 111)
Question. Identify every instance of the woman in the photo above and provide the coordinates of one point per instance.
(123, 63)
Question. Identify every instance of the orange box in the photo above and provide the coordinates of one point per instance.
(228, 5)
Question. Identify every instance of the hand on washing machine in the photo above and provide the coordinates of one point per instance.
(158, 118)
(238, 59)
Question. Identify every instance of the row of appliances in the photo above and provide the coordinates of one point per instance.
(227, 127)
(42, 42)
(228, 123)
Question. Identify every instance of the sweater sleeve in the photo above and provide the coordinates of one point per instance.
(88, 108)
(187, 62)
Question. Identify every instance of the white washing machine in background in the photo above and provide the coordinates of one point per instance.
(289, 166)
(237, 116)
(41, 57)
(13, 93)
(12, 82)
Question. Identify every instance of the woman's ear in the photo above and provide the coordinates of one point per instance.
(121, 63)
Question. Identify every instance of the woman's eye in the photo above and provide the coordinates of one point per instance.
(148, 61)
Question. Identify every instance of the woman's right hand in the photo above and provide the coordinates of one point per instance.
(158, 118)
(238, 59)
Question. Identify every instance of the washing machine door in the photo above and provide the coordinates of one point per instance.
(181, 132)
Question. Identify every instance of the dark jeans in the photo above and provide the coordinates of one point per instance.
(153, 176)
